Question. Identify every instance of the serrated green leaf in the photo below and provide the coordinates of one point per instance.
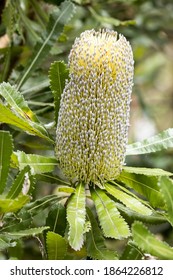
(149, 243)
(131, 252)
(56, 246)
(53, 179)
(6, 147)
(131, 216)
(129, 192)
(129, 201)
(13, 205)
(9, 117)
(14, 223)
(56, 219)
(147, 171)
(16, 101)
(8, 19)
(38, 164)
(57, 20)
(112, 224)
(163, 140)
(19, 107)
(76, 213)
(144, 185)
(58, 74)
(40, 205)
(25, 233)
(166, 186)
(95, 242)
(18, 184)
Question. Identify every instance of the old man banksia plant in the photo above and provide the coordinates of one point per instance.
(92, 130)
(94, 111)
(91, 141)
(97, 199)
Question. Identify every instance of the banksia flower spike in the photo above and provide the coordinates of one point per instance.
(93, 121)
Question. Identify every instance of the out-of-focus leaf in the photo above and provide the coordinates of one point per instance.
(5, 242)
(57, 20)
(9, 117)
(166, 186)
(38, 164)
(8, 19)
(6, 66)
(129, 201)
(56, 219)
(6, 147)
(147, 171)
(41, 85)
(56, 246)
(163, 140)
(16, 102)
(13, 205)
(66, 189)
(95, 242)
(17, 252)
(110, 20)
(13, 223)
(58, 74)
(148, 243)
(112, 224)
(76, 214)
(22, 117)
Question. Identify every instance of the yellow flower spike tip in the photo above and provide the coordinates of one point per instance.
(93, 120)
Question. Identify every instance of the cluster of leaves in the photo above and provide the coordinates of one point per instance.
(74, 221)
(71, 219)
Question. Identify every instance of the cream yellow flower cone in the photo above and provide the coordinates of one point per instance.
(93, 121)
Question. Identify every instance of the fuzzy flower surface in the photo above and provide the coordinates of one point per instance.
(92, 130)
